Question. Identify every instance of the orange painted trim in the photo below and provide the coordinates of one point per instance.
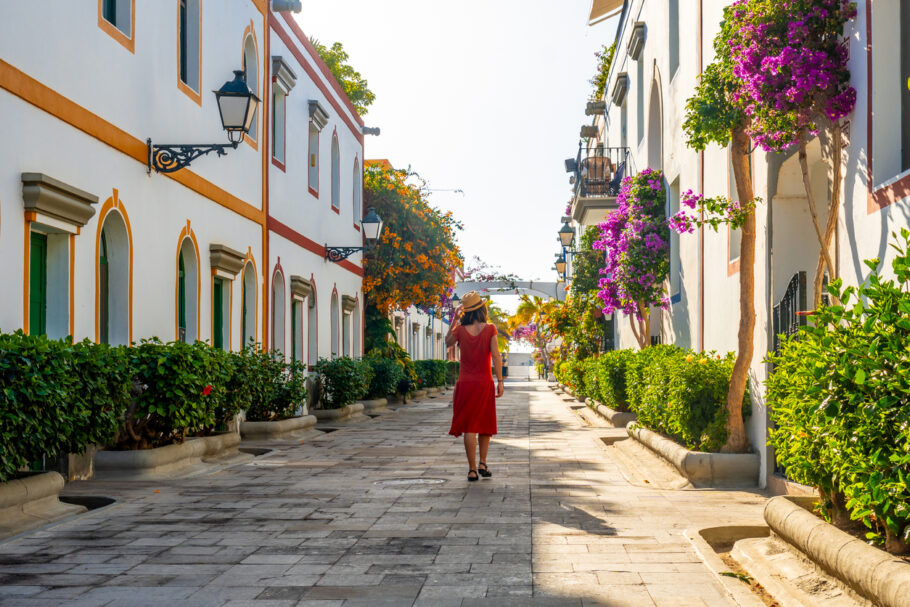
(113, 203)
(27, 239)
(337, 210)
(314, 193)
(261, 5)
(322, 67)
(43, 97)
(359, 171)
(187, 233)
(248, 31)
(248, 261)
(266, 133)
(305, 64)
(72, 286)
(128, 42)
(182, 86)
(279, 164)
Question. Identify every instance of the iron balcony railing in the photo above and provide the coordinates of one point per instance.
(599, 170)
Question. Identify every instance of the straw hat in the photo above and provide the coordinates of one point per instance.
(471, 301)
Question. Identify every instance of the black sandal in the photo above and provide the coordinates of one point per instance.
(485, 471)
(473, 479)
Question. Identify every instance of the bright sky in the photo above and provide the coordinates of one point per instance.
(486, 96)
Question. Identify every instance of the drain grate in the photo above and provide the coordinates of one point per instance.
(410, 481)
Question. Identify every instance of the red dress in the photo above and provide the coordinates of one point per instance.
(475, 394)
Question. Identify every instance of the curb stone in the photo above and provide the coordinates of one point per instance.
(276, 429)
(702, 469)
(168, 461)
(32, 501)
(619, 419)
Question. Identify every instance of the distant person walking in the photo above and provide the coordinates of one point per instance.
(475, 395)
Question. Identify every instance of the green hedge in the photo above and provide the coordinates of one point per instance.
(342, 381)
(452, 369)
(386, 375)
(839, 397)
(57, 398)
(430, 373)
(676, 392)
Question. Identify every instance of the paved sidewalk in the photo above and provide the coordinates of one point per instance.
(308, 525)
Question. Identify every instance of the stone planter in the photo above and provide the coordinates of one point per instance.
(618, 419)
(377, 405)
(869, 571)
(702, 469)
(168, 461)
(32, 501)
(340, 414)
(418, 394)
(276, 429)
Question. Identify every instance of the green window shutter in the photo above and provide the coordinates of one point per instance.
(181, 300)
(218, 314)
(103, 293)
(295, 308)
(37, 289)
(243, 343)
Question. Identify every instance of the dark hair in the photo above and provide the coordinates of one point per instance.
(469, 318)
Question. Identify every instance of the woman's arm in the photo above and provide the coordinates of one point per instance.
(497, 364)
(451, 338)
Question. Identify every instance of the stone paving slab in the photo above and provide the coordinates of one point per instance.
(307, 524)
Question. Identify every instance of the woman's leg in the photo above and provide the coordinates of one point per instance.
(484, 446)
(470, 449)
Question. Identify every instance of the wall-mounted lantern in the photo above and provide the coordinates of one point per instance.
(372, 229)
(566, 235)
(237, 105)
(561, 265)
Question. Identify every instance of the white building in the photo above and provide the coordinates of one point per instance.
(661, 48)
(227, 250)
(421, 333)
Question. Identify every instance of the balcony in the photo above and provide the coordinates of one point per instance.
(599, 172)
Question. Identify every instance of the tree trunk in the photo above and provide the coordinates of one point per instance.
(837, 144)
(894, 544)
(737, 442)
(810, 198)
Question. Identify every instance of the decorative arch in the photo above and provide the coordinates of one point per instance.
(250, 63)
(336, 173)
(655, 122)
(187, 245)
(334, 319)
(312, 331)
(249, 299)
(278, 308)
(357, 193)
(113, 205)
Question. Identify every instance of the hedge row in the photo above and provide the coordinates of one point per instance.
(679, 393)
(839, 398)
(58, 397)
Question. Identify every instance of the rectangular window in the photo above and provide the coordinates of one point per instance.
(296, 326)
(640, 99)
(735, 236)
(905, 85)
(221, 313)
(674, 36)
(346, 335)
(314, 159)
(37, 284)
(278, 125)
(675, 260)
(189, 43)
(624, 125)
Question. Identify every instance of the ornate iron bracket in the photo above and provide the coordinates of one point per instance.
(337, 254)
(169, 158)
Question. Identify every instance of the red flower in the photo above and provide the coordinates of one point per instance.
(207, 390)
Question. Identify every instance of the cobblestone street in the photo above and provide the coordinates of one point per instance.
(309, 524)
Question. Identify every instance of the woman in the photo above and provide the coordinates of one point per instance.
(475, 398)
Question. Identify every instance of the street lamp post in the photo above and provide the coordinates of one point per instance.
(372, 230)
(237, 105)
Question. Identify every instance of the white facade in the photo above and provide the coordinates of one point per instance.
(420, 333)
(704, 281)
(126, 254)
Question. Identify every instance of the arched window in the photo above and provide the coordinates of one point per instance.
(114, 282)
(278, 311)
(187, 292)
(336, 174)
(334, 317)
(248, 301)
(251, 67)
(357, 185)
(312, 330)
